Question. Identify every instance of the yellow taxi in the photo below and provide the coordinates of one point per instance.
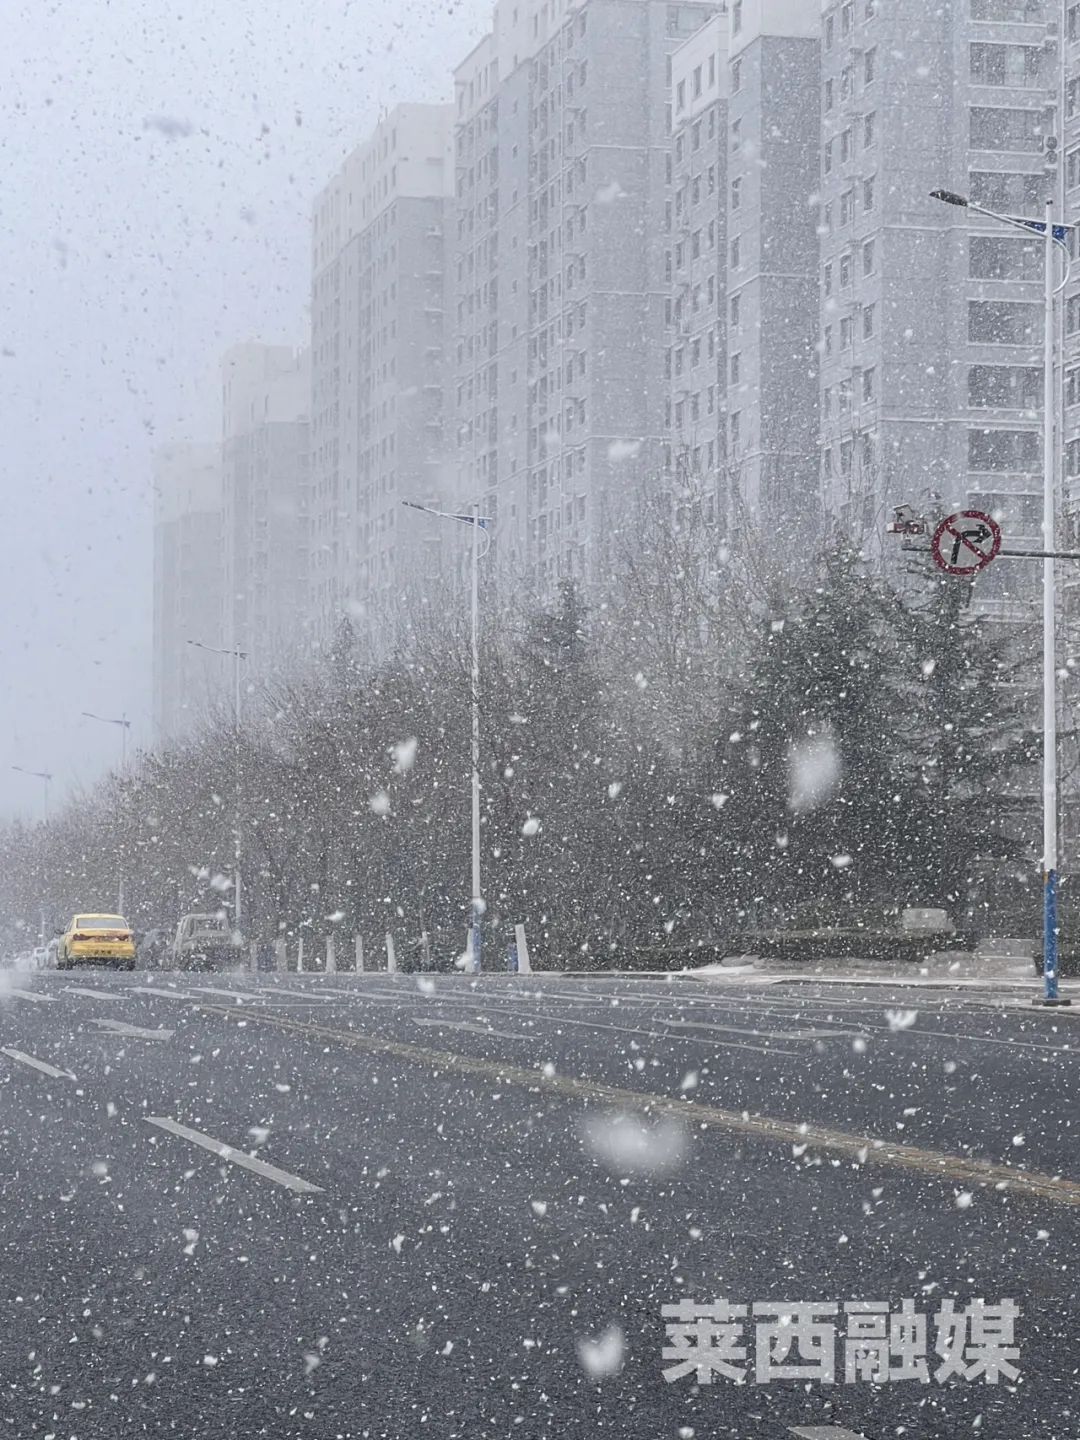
(97, 940)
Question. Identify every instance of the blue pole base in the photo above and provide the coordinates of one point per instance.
(1057, 1001)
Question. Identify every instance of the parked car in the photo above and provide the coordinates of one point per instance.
(93, 939)
(152, 948)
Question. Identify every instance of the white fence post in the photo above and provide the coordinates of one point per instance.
(331, 956)
(358, 944)
(391, 959)
(523, 964)
(300, 956)
(425, 948)
(281, 959)
(253, 956)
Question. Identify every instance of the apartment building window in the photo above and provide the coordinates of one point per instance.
(1017, 66)
(993, 257)
(998, 450)
(828, 155)
(695, 244)
(847, 80)
(680, 255)
(847, 207)
(826, 220)
(1008, 387)
(830, 32)
(1072, 386)
(1007, 190)
(736, 135)
(736, 76)
(734, 311)
(843, 395)
(1072, 458)
(994, 128)
(847, 17)
(868, 257)
(1072, 315)
(736, 253)
(1004, 322)
(697, 81)
(695, 190)
(827, 340)
(710, 400)
(736, 17)
(710, 179)
(869, 317)
(712, 70)
(680, 95)
(1072, 168)
(735, 418)
(695, 136)
(678, 149)
(868, 193)
(845, 271)
(845, 146)
(736, 192)
(847, 454)
(868, 382)
(826, 402)
(829, 96)
(869, 65)
(1006, 9)
(869, 129)
(735, 367)
(827, 278)
(845, 333)
(1072, 98)
(1073, 22)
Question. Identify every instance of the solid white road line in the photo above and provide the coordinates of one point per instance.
(25, 1059)
(133, 1032)
(34, 995)
(165, 994)
(235, 1157)
(93, 994)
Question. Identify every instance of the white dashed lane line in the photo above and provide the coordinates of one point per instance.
(826, 1432)
(41, 1065)
(235, 1157)
(164, 994)
(133, 1032)
(93, 994)
(35, 995)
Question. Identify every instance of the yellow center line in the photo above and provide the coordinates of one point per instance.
(863, 1149)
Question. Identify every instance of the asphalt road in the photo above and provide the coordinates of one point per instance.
(456, 1208)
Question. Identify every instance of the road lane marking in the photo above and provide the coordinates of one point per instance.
(235, 1157)
(133, 1032)
(471, 1026)
(165, 994)
(34, 995)
(93, 994)
(232, 994)
(826, 1432)
(45, 1069)
(864, 1149)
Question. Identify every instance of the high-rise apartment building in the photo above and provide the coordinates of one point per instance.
(378, 351)
(264, 469)
(696, 262)
(189, 585)
(773, 179)
(932, 316)
(560, 292)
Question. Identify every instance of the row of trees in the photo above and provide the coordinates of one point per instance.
(699, 751)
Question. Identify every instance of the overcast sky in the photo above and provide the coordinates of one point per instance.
(158, 160)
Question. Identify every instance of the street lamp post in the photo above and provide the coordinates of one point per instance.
(479, 523)
(237, 657)
(46, 778)
(1053, 234)
(125, 725)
